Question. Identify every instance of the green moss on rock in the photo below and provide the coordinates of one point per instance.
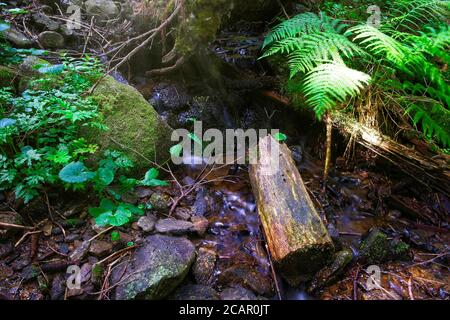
(134, 126)
(7, 76)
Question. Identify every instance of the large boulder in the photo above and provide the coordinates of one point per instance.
(134, 126)
(156, 268)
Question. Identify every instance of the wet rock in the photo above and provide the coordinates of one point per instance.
(58, 287)
(200, 225)
(297, 154)
(168, 97)
(100, 248)
(30, 272)
(29, 64)
(160, 201)
(203, 268)
(143, 192)
(377, 248)
(45, 22)
(156, 268)
(330, 273)
(249, 278)
(17, 38)
(71, 237)
(172, 226)
(182, 213)
(102, 8)
(147, 223)
(237, 293)
(85, 272)
(5, 249)
(51, 40)
(195, 292)
(80, 251)
(11, 218)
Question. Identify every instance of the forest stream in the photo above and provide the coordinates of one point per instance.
(194, 231)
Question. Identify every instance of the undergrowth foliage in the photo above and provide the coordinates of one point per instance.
(41, 144)
(406, 58)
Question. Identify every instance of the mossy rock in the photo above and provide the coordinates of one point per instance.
(134, 126)
(7, 76)
(377, 248)
(28, 71)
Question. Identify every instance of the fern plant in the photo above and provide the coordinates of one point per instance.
(316, 46)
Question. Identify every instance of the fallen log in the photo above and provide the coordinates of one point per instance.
(297, 239)
(430, 172)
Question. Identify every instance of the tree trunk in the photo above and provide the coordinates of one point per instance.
(430, 172)
(296, 236)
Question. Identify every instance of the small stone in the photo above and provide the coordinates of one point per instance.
(237, 293)
(147, 223)
(85, 272)
(30, 272)
(80, 252)
(182, 213)
(200, 224)
(71, 237)
(45, 22)
(51, 40)
(17, 38)
(143, 192)
(102, 8)
(160, 201)
(203, 268)
(100, 248)
(172, 226)
(58, 287)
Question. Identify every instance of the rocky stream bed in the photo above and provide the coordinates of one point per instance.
(212, 245)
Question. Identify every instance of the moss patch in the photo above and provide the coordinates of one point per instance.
(134, 126)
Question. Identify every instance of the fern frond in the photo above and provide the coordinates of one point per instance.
(304, 23)
(307, 50)
(411, 15)
(431, 126)
(379, 43)
(330, 83)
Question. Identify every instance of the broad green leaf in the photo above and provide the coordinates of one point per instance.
(96, 211)
(104, 219)
(105, 175)
(75, 172)
(107, 204)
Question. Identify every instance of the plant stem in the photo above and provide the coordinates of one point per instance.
(329, 126)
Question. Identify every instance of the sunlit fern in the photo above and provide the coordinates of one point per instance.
(330, 83)
(411, 15)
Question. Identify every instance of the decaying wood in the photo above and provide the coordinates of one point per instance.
(296, 236)
(429, 172)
